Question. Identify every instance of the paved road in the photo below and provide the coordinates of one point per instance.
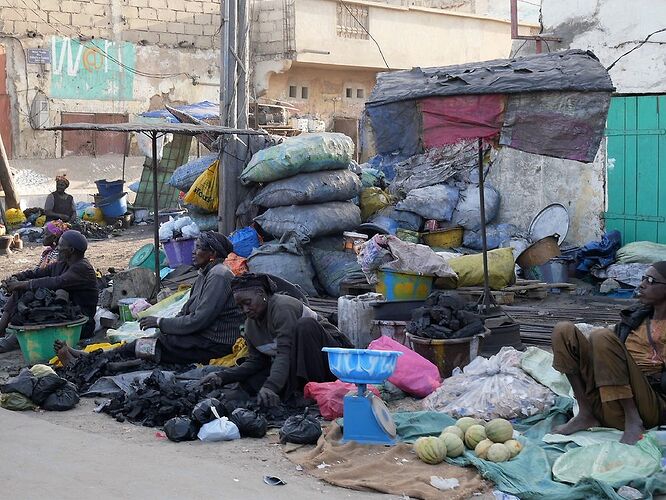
(40, 459)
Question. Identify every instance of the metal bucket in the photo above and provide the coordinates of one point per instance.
(447, 354)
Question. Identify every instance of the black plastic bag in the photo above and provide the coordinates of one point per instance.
(23, 384)
(249, 423)
(300, 429)
(202, 413)
(45, 386)
(64, 398)
(180, 429)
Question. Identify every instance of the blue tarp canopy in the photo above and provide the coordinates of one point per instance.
(202, 110)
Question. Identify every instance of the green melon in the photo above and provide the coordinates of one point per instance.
(466, 422)
(453, 429)
(498, 453)
(430, 450)
(481, 449)
(499, 430)
(514, 447)
(454, 445)
(474, 435)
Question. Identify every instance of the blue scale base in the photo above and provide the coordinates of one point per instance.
(360, 423)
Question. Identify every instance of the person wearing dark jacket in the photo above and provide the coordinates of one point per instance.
(285, 339)
(206, 327)
(618, 376)
(59, 204)
(72, 273)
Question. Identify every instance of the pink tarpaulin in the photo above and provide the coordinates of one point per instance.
(447, 120)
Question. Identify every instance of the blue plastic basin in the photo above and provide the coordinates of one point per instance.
(361, 366)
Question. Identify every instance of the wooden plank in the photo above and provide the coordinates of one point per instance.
(501, 297)
(661, 168)
(631, 167)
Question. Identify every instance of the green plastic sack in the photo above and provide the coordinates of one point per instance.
(304, 153)
(16, 402)
(612, 462)
(641, 252)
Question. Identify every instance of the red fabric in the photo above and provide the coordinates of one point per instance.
(329, 396)
(447, 120)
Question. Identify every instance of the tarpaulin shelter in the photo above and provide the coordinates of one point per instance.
(549, 104)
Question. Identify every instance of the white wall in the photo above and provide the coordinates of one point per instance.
(610, 28)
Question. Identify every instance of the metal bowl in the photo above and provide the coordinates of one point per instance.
(361, 366)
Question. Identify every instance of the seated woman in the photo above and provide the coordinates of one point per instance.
(207, 326)
(619, 377)
(60, 205)
(285, 338)
(72, 273)
(52, 232)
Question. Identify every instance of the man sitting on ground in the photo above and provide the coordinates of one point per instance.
(618, 377)
(72, 273)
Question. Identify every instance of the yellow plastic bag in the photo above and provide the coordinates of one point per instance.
(105, 346)
(204, 193)
(14, 216)
(239, 350)
(373, 199)
(501, 270)
(41, 220)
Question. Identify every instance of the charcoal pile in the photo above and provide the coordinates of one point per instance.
(444, 316)
(43, 306)
(162, 397)
(94, 231)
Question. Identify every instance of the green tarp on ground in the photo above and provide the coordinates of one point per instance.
(527, 476)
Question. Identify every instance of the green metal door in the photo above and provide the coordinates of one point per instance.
(637, 168)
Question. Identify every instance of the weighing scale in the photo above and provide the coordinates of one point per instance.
(367, 420)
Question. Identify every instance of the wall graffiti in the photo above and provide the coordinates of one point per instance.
(96, 69)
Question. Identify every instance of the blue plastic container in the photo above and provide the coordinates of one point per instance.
(361, 366)
(113, 206)
(109, 188)
(245, 240)
(179, 252)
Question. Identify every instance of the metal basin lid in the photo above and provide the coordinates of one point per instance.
(554, 219)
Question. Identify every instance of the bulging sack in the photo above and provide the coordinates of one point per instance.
(304, 153)
(468, 211)
(314, 187)
(413, 373)
(185, 175)
(204, 193)
(432, 202)
(311, 221)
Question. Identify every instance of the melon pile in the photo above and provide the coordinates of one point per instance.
(492, 441)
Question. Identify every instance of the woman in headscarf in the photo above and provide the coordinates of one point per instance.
(60, 205)
(285, 338)
(207, 326)
(52, 232)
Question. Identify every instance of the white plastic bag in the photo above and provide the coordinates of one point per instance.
(190, 231)
(220, 429)
(491, 388)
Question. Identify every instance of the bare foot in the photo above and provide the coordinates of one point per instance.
(632, 434)
(66, 354)
(580, 422)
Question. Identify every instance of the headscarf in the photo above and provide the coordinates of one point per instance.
(57, 227)
(62, 178)
(661, 268)
(216, 242)
(75, 240)
(251, 281)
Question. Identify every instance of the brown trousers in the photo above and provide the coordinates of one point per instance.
(602, 361)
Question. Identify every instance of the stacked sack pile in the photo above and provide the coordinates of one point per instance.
(306, 192)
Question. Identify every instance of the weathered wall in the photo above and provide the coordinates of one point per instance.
(610, 28)
(529, 182)
(326, 90)
(107, 57)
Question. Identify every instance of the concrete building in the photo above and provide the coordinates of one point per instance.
(624, 188)
(99, 60)
(322, 56)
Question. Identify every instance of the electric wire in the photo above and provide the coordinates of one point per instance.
(366, 30)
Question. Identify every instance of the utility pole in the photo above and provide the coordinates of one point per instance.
(6, 181)
(234, 59)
